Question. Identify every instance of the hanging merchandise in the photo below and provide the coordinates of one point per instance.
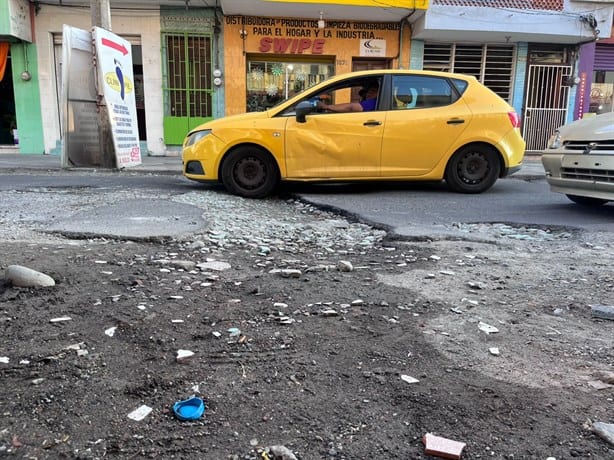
(4, 56)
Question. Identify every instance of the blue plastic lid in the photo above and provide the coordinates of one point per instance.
(189, 409)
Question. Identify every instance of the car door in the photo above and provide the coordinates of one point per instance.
(335, 145)
(424, 124)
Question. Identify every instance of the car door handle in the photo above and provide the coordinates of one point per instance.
(372, 123)
(456, 121)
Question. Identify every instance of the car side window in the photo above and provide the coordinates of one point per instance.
(419, 91)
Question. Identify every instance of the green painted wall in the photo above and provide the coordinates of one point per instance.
(27, 99)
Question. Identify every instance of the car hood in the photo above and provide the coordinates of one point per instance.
(594, 128)
(224, 121)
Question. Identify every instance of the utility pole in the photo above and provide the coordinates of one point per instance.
(101, 17)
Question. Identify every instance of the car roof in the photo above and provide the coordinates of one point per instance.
(374, 73)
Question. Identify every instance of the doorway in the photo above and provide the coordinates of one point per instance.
(8, 120)
(547, 94)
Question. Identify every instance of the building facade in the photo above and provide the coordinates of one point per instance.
(553, 60)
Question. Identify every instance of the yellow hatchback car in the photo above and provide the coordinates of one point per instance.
(396, 125)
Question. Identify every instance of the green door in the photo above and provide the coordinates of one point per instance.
(188, 84)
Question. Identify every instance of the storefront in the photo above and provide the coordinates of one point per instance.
(270, 59)
(596, 78)
(20, 116)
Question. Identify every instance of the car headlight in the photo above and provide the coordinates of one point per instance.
(195, 136)
(555, 141)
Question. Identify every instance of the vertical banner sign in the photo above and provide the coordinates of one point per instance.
(114, 62)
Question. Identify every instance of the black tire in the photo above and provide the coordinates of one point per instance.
(586, 200)
(473, 169)
(249, 172)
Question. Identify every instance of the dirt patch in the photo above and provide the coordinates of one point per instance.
(317, 365)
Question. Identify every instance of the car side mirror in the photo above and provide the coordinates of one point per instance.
(302, 109)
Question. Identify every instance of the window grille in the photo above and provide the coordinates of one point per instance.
(188, 75)
(492, 65)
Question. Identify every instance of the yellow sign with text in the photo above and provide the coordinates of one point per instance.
(123, 86)
(408, 4)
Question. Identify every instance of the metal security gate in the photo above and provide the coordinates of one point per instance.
(546, 103)
(188, 84)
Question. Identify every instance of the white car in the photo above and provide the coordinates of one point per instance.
(579, 160)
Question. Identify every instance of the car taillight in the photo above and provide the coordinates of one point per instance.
(514, 118)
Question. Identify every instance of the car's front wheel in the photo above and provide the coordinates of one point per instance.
(586, 200)
(249, 172)
(473, 169)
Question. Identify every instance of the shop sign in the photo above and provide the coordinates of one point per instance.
(373, 48)
(303, 36)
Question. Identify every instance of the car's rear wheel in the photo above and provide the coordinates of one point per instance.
(473, 169)
(586, 200)
(249, 172)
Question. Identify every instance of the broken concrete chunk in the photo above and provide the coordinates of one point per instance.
(442, 447)
(26, 277)
(603, 311)
(605, 430)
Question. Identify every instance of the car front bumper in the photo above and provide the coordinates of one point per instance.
(580, 175)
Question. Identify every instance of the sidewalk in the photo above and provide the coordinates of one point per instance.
(531, 168)
(33, 162)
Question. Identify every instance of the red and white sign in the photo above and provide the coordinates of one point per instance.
(114, 62)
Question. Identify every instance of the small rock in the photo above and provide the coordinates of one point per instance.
(345, 266)
(281, 453)
(287, 272)
(494, 351)
(213, 265)
(26, 277)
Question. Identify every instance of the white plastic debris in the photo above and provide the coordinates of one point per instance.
(60, 319)
(409, 379)
(4, 359)
(110, 331)
(140, 413)
(487, 328)
(183, 356)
